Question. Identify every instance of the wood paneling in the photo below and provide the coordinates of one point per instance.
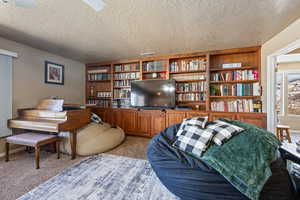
(215, 116)
(258, 119)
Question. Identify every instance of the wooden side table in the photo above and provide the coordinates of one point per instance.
(280, 129)
(35, 140)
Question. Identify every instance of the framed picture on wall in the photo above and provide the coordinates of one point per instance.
(54, 73)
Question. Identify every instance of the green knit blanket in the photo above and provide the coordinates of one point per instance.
(245, 159)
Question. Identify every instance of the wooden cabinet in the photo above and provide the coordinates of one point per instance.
(255, 119)
(175, 118)
(129, 121)
(158, 122)
(196, 114)
(150, 122)
(215, 116)
(144, 120)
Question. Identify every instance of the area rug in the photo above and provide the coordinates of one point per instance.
(103, 177)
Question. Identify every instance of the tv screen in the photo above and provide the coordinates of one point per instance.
(153, 93)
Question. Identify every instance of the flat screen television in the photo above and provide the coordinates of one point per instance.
(153, 93)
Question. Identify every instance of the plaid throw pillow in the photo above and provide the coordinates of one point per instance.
(95, 118)
(224, 131)
(194, 140)
(199, 122)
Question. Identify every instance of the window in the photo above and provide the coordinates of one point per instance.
(279, 93)
(293, 107)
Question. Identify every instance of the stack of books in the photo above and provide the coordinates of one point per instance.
(191, 97)
(101, 103)
(191, 87)
(187, 77)
(238, 105)
(127, 67)
(132, 75)
(239, 89)
(121, 93)
(95, 75)
(185, 66)
(236, 75)
(157, 65)
(123, 83)
(103, 94)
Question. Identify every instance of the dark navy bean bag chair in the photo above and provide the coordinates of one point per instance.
(191, 179)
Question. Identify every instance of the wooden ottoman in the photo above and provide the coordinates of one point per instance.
(35, 140)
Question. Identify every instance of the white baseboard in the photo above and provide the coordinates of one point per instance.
(13, 151)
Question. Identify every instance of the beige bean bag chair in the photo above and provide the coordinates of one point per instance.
(94, 139)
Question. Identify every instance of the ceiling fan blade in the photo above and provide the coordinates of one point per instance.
(95, 4)
(25, 3)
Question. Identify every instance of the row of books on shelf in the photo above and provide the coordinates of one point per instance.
(127, 67)
(121, 93)
(239, 89)
(190, 87)
(101, 102)
(131, 75)
(156, 65)
(103, 94)
(97, 71)
(235, 75)
(191, 97)
(238, 105)
(98, 76)
(123, 83)
(121, 103)
(184, 66)
(188, 77)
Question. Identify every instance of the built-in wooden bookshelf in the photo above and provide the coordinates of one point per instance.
(221, 80)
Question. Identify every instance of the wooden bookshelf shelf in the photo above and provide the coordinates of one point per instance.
(186, 72)
(100, 98)
(231, 69)
(185, 92)
(158, 71)
(126, 79)
(121, 87)
(232, 82)
(234, 97)
(189, 81)
(99, 80)
(126, 71)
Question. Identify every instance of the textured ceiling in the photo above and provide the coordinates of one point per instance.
(125, 28)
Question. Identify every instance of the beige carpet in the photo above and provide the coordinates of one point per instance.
(19, 175)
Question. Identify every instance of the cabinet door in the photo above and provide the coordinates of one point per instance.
(256, 119)
(215, 116)
(175, 118)
(143, 123)
(115, 117)
(129, 121)
(158, 122)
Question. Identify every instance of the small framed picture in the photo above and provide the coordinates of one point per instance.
(54, 73)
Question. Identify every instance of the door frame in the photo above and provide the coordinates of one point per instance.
(271, 81)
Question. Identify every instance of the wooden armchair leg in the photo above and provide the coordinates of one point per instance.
(6, 152)
(37, 157)
(57, 149)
